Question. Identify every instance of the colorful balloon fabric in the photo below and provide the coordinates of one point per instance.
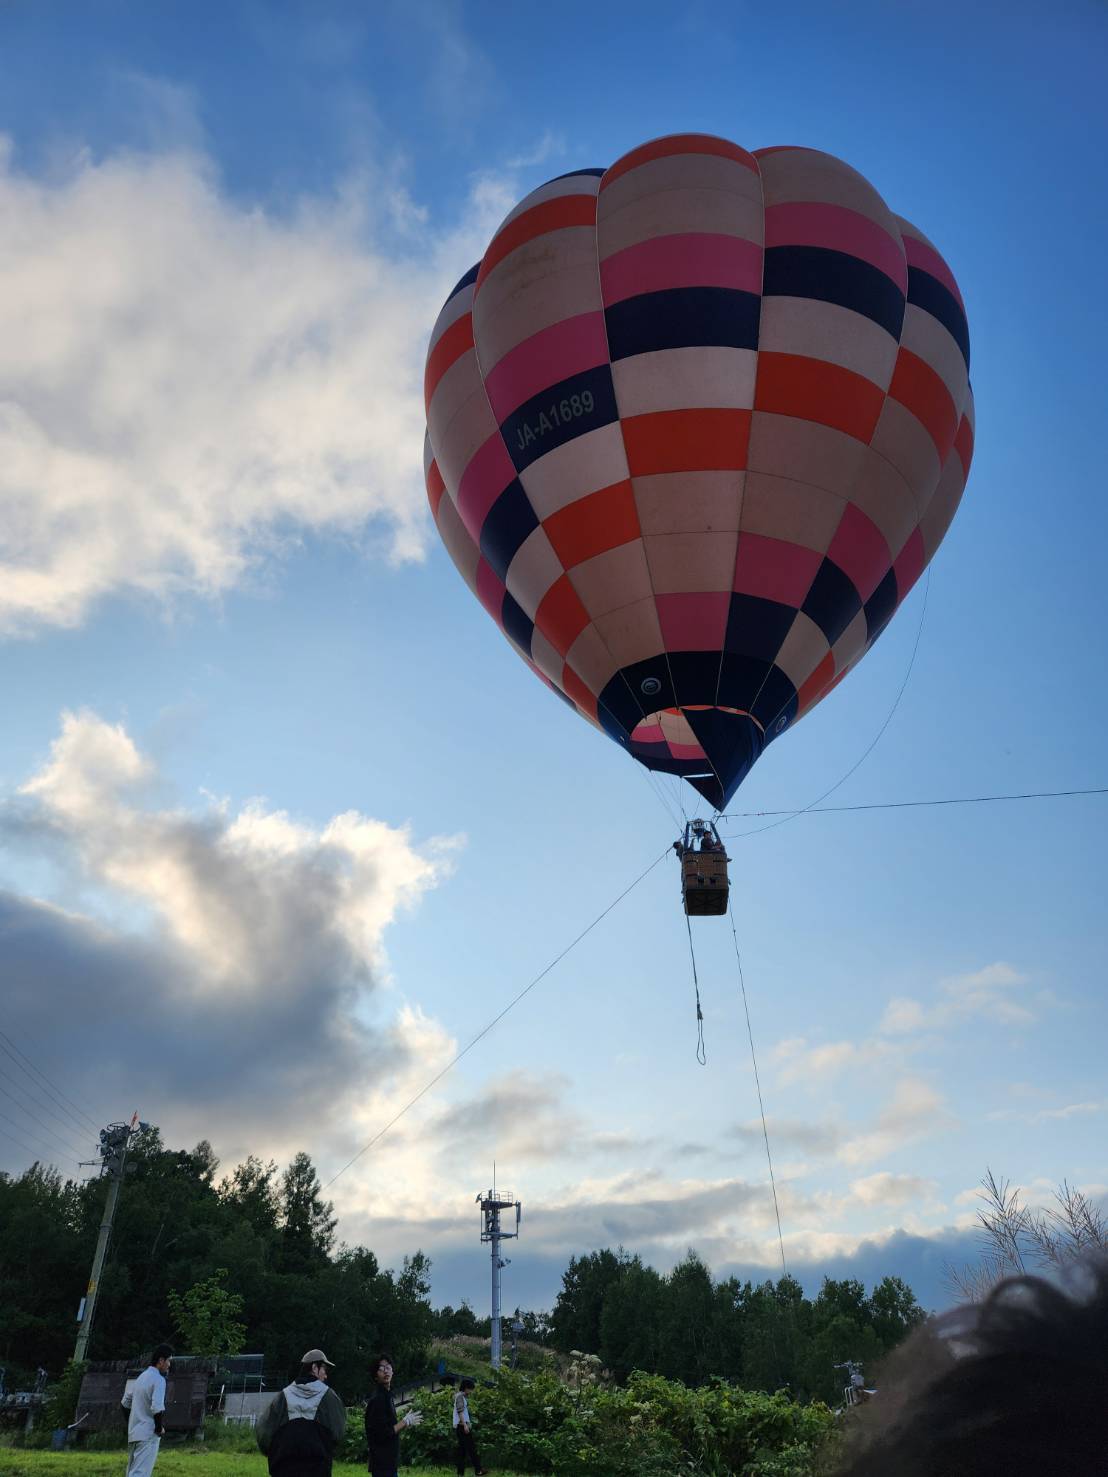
(696, 424)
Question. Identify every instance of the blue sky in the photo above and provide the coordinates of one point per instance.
(284, 822)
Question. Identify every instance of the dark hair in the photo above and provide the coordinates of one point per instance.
(304, 1375)
(1014, 1384)
(469, 1383)
(375, 1364)
(163, 1351)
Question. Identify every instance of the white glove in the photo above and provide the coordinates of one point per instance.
(413, 1418)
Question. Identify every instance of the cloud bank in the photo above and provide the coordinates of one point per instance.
(190, 383)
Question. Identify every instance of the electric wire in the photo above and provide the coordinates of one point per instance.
(426, 1088)
(52, 1153)
(910, 804)
(19, 1143)
(52, 1087)
(40, 1127)
(758, 1086)
(68, 1125)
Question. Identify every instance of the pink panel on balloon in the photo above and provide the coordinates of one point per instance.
(648, 733)
(686, 751)
(860, 551)
(774, 569)
(925, 257)
(835, 228)
(545, 359)
(490, 590)
(489, 471)
(682, 260)
(909, 565)
(693, 622)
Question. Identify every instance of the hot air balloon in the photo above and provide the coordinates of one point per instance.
(696, 423)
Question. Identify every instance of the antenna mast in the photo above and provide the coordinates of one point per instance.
(492, 1203)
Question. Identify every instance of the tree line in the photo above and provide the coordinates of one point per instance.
(687, 1326)
(249, 1259)
(248, 1262)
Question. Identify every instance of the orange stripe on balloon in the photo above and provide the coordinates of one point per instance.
(811, 690)
(435, 488)
(561, 617)
(594, 524)
(686, 441)
(919, 389)
(963, 444)
(551, 215)
(575, 689)
(449, 349)
(679, 143)
(816, 390)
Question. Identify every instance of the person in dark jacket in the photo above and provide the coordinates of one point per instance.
(382, 1429)
(304, 1424)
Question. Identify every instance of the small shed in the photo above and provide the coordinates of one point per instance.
(100, 1408)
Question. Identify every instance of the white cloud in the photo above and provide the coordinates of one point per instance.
(885, 1188)
(915, 1111)
(246, 895)
(985, 993)
(248, 945)
(189, 383)
(799, 1062)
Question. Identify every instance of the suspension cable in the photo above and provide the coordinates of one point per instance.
(758, 1086)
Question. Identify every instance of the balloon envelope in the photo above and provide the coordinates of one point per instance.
(696, 424)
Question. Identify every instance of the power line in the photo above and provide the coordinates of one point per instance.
(910, 804)
(70, 1124)
(20, 1144)
(39, 1125)
(494, 1022)
(52, 1087)
(42, 1146)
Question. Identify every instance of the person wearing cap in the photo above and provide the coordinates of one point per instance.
(382, 1429)
(145, 1405)
(304, 1423)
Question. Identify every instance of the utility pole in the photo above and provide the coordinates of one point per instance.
(113, 1157)
(492, 1204)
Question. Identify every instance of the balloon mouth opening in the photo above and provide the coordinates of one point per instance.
(668, 730)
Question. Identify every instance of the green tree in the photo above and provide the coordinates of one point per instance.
(575, 1319)
(207, 1316)
(307, 1220)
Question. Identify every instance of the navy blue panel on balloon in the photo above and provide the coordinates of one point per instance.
(517, 623)
(776, 704)
(566, 410)
(695, 676)
(832, 602)
(731, 742)
(596, 174)
(467, 281)
(881, 606)
(507, 523)
(682, 318)
(936, 298)
(834, 277)
(757, 627)
(624, 699)
(740, 680)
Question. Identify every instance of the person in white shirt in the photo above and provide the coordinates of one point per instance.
(463, 1429)
(146, 1403)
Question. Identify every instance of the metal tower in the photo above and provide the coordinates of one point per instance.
(492, 1203)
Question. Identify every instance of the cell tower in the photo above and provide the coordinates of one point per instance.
(492, 1203)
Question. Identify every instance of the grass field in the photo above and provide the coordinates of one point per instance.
(185, 1461)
